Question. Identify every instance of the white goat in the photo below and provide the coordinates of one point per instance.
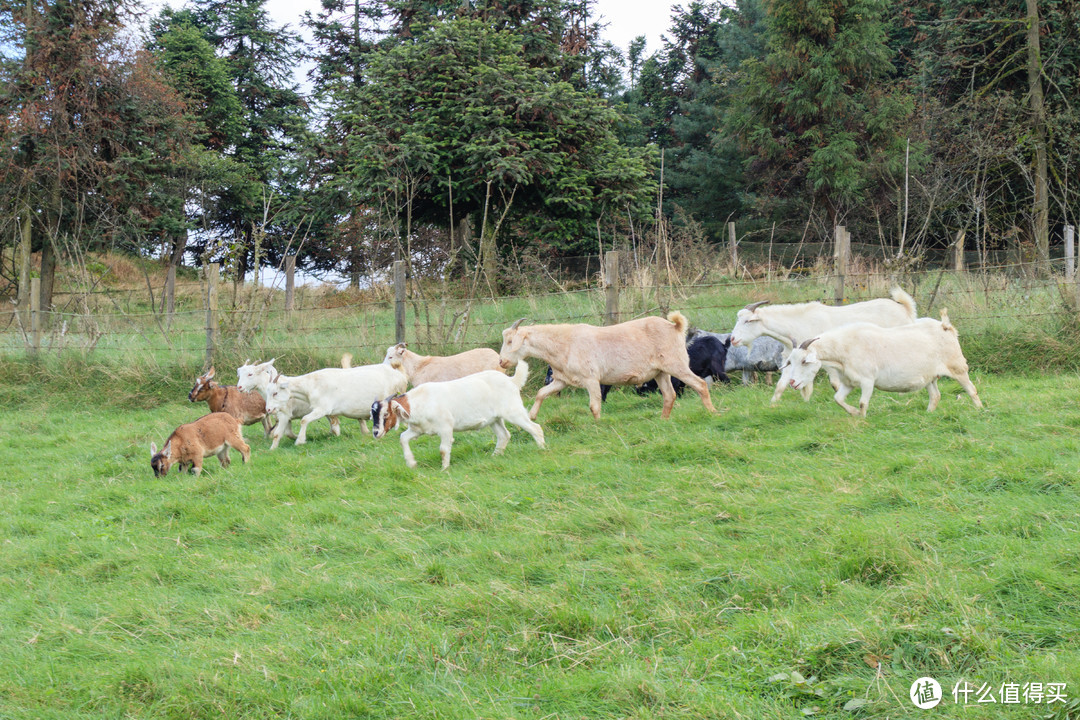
(897, 359)
(257, 378)
(333, 391)
(422, 369)
(630, 353)
(483, 399)
(793, 324)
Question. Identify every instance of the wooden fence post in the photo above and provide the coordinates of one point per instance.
(958, 251)
(399, 301)
(733, 247)
(212, 274)
(170, 295)
(25, 262)
(611, 287)
(1070, 253)
(290, 283)
(35, 315)
(841, 251)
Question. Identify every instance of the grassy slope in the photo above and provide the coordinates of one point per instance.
(637, 568)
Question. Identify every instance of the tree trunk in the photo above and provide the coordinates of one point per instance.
(179, 245)
(1041, 210)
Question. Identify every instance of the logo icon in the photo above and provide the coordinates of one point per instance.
(925, 693)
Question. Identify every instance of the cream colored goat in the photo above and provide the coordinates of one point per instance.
(422, 369)
(587, 356)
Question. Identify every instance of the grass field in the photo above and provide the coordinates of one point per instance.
(757, 563)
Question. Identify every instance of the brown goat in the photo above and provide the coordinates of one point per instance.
(211, 434)
(422, 369)
(247, 407)
(587, 356)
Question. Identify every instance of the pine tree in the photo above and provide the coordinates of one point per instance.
(92, 135)
(814, 112)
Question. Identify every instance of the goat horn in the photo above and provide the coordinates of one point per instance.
(515, 325)
(806, 343)
(754, 306)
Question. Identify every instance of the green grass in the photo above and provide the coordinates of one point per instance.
(637, 568)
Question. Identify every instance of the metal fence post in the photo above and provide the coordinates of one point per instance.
(212, 274)
(399, 301)
(611, 287)
(35, 315)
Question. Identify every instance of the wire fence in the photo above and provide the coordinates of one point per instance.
(255, 321)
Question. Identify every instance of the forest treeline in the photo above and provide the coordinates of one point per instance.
(456, 133)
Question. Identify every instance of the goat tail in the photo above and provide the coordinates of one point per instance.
(521, 374)
(346, 361)
(945, 324)
(898, 295)
(681, 324)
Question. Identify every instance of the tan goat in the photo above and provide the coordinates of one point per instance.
(247, 407)
(587, 356)
(422, 369)
(211, 434)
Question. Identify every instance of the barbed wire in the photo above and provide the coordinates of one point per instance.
(123, 331)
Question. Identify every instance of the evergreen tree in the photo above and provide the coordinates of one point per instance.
(459, 113)
(91, 135)
(815, 112)
(259, 58)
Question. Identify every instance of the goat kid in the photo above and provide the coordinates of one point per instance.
(484, 399)
(247, 407)
(211, 434)
(898, 359)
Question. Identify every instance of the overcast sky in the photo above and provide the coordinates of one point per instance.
(626, 18)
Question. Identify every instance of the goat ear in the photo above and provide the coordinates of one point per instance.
(400, 408)
(210, 373)
(811, 357)
(153, 449)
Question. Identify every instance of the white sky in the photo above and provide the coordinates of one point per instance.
(626, 18)
(629, 18)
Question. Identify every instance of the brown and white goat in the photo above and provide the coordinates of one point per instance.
(247, 407)
(587, 356)
(422, 369)
(211, 434)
